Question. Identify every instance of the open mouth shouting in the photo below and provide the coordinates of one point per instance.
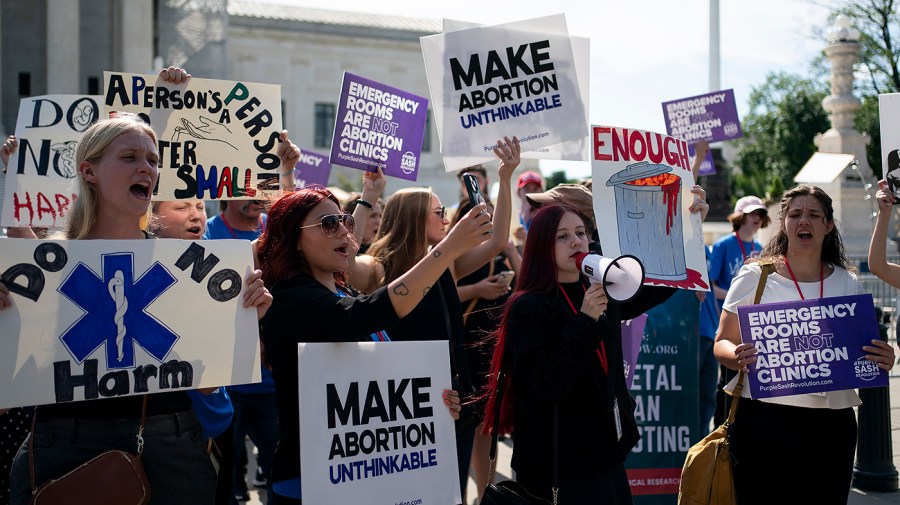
(141, 190)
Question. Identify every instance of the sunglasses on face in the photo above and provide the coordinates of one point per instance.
(332, 222)
(440, 212)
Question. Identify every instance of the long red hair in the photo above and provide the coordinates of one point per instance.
(277, 246)
(537, 275)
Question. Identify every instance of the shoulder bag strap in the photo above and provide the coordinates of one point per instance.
(767, 267)
(31, 473)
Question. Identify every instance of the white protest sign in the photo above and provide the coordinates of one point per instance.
(40, 184)
(107, 318)
(575, 150)
(642, 193)
(373, 426)
(218, 140)
(515, 79)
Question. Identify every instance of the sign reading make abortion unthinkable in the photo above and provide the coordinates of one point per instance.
(379, 126)
(514, 79)
(218, 140)
(107, 318)
(811, 346)
(711, 117)
(644, 179)
(40, 178)
(373, 426)
(313, 169)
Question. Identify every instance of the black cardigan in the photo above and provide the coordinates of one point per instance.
(303, 310)
(552, 352)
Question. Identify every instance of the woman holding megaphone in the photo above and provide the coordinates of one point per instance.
(559, 348)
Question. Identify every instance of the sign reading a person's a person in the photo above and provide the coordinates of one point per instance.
(373, 425)
(811, 346)
(104, 318)
(514, 79)
(643, 180)
(379, 126)
(711, 117)
(218, 140)
(40, 177)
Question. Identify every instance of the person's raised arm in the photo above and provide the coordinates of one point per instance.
(508, 151)
(9, 146)
(878, 265)
(700, 150)
(365, 272)
(289, 154)
(408, 290)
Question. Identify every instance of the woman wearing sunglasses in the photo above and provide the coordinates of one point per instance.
(305, 252)
(414, 221)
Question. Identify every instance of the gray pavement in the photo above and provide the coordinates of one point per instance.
(857, 496)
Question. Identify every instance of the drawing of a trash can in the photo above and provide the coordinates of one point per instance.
(648, 197)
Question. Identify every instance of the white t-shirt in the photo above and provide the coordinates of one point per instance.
(782, 289)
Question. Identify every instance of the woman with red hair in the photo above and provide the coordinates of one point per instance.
(305, 251)
(559, 347)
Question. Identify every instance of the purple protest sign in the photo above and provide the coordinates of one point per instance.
(711, 117)
(379, 126)
(632, 335)
(313, 169)
(707, 166)
(811, 346)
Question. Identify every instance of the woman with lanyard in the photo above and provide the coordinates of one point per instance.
(559, 345)
(729, 253)
(801, 447)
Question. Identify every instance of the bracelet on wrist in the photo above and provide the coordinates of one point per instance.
(364, 203)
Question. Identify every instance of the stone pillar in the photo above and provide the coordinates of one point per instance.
(63, 59)
(841, 105)
(134, 36)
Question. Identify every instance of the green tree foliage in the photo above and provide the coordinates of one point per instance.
(556, 178)
(785, 114)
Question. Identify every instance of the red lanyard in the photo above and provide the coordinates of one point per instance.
(601, 352)
(821, 279)
(231, 229)
(741, 243)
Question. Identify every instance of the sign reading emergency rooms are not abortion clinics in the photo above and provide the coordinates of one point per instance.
(218, 140)
(379, 126)
(107, 318)
(811, 346)
(711, 117)
(514, 79)
(373, 425)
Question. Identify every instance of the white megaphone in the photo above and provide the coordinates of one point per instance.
(622, 277)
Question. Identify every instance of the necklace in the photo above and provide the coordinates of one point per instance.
(797, 284)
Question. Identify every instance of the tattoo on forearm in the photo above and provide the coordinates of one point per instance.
(401, 289)
(436, 253)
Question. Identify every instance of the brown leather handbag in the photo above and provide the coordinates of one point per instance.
(112, 478)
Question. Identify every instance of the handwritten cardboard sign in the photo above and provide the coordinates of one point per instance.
(106, 318)
(40, 179)
(218, 139)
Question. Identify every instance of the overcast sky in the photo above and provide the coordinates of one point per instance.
(645, 52)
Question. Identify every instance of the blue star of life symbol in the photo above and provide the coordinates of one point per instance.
(115, 311)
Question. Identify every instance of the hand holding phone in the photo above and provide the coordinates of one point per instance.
(472, 189)
(505, 277)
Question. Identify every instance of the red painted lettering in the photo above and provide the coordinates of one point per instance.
(599, 144)
(17, 206)
(44, 206)
(225, 183)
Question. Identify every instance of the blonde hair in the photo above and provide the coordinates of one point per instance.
(91, 148)
(401, 240)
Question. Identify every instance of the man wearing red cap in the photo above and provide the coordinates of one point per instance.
(529, 182)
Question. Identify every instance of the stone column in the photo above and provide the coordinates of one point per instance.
(63, 59)
(134, 36)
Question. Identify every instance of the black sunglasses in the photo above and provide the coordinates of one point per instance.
(441, 212)
(332, 222)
